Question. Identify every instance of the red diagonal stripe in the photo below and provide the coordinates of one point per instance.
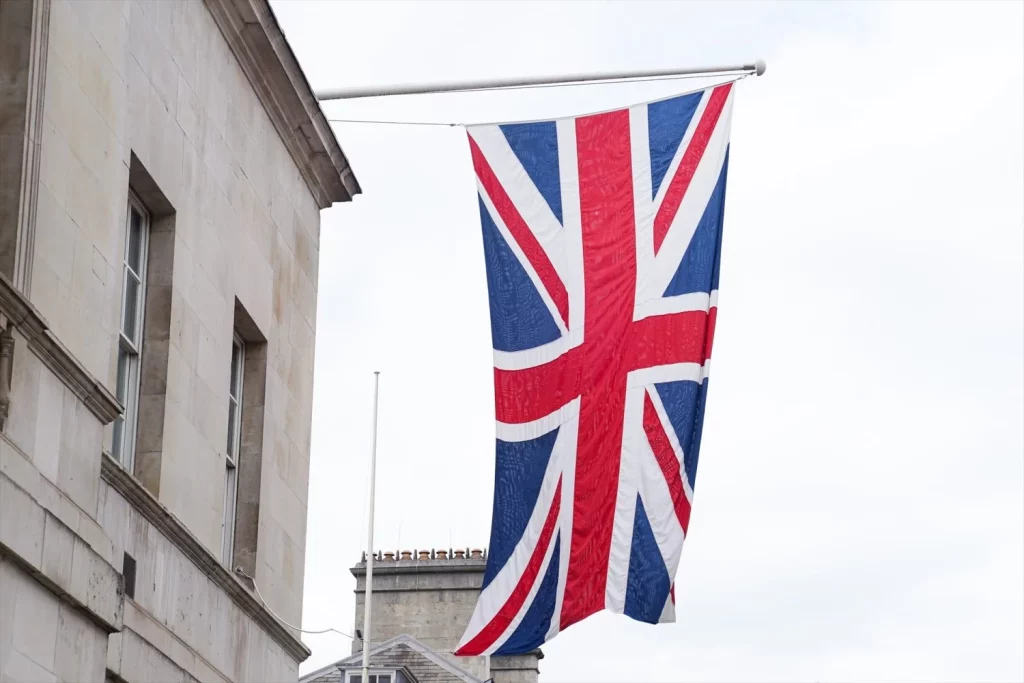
(666, 458)
(521, 232)
(510, 609)
(530, 394)
(688, 164)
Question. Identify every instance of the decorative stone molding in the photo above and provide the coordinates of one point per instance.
(255, 38)
(167, 524)
(41, 341)
(6, 361)
(24, 34)
(407, 568)
(36, 96)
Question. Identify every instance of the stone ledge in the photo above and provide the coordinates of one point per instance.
(255, 38)
(58, 558)
(151, 632)
(459, 583)
(20, 469)
(131, 657)
(167, 524)
(422, 567)
(528, 661)
(54, 355)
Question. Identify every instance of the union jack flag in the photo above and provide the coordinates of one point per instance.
(602, 238)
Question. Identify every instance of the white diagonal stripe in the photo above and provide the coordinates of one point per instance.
(521, 257)
(523, 192)
(677, 158)
(538, 355)
(694, 203)
(526, 431)
(496, 594)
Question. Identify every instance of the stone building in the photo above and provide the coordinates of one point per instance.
(163, 166)
(421, 603)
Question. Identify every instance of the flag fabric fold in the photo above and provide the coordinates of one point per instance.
(602, 239)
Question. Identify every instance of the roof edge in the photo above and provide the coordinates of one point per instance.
(266, 58)
(422, 567)
(418, 646)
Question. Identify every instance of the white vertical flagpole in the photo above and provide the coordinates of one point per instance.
(368, 593)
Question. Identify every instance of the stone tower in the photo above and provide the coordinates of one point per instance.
(430, 595)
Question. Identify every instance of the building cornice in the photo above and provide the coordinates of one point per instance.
(256, 39)
(167, 524)
(23, 315)
(422, 567)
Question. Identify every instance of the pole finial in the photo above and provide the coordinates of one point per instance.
(759, 67)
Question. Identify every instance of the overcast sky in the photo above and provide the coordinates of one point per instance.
(860, 513)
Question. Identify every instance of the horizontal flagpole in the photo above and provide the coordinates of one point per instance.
(757, 68)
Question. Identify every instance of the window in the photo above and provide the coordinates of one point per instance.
(234, 440)
(129, 352)
(376, 677)
(245, 430)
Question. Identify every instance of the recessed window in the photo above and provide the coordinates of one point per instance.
(129, 351)
(234, 440)
(357, 677)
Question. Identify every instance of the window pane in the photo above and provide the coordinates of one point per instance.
(383, 678)
(232, 412)
(236, 367)
(121, 391)
(131, 409)
(229, 480)
(122, 375)
(230, 484)
(131, 300)
(118, 437)
(355, 679)
(135, 240)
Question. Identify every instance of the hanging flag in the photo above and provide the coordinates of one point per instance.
(602, 238)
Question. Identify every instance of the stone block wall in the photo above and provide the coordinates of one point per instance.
(177, 604)
(200, 109)
(156, 84)
(54, 641)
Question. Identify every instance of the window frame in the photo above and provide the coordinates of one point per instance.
(233, 449)
(127, 387)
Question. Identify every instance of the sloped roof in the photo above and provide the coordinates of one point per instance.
(402, 651)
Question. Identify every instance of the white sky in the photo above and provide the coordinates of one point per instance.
(860, 513)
